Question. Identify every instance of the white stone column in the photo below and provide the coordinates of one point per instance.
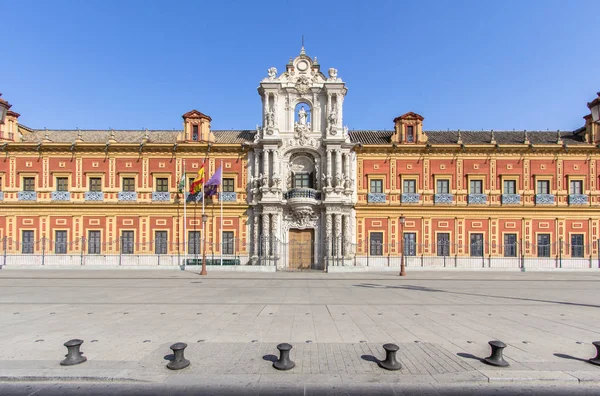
(266, 167)
(275, 233)
(328, 234)
(266, 227)
(338, 168)
(256, 163)
(347, 165)
(347, 232)
(275, 163)
(255, 235)
(338, 235)
(329, 170)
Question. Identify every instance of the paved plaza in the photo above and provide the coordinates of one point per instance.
(337, 323)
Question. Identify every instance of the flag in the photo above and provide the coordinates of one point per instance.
(196, 185)
(181, 185)
(210, 188)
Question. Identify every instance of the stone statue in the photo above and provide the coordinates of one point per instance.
(272, 73)
(332, 74)
(347, 182)
(332, 118)
(302, 116)
(326, 180)
(339, 181)
(270, 118)
(276, 181)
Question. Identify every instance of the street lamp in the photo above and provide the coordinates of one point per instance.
(594, 107)
(204, 220)
(4, 106)
(402, 265)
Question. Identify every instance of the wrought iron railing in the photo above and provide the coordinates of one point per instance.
(578, 199)
(511, 199)
(302, 193)
(27, 196)
(477, 199)
(376, 197)
(228, 196)
(61, 196)
(544, 199)
(128, 196)
(94, 196)
(411, 198)
(161, 196)
(443, 198)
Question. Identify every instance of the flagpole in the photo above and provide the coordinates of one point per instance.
(203, 272)
(221, 199)
(185, 246)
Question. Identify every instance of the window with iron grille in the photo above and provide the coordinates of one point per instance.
(128, 184)
(160, 242)
(510, 187)
(543, 187)
(228, 242)
(228, 185)
(510, 245)
(29, 184)
(62, 184)
(60, 242)
(543, 242)
(577, 248)
(195, 133)
(95, 184)
(443, 186)
(302, 180)
(27, 242)
(376, 186)
(443, 244)
(162, 184)
(476, 245)
(410, 134)
(127, 242)
(376, 243)
(193, 242)
(576, 186)
(476, 187)
(94, 246)
(409, 186)
(410, 244)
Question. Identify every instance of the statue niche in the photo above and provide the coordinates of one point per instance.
(302, 124)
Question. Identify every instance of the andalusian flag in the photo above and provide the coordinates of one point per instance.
(181, 185)
(196, 185)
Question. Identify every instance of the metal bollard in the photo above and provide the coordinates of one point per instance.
(284, 362)
(496, 358)
(390, 362)
(73, 356)
(180, 362)
(596, 360)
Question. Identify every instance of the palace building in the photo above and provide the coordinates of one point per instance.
(301, 191)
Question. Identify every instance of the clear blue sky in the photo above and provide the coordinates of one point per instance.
(530, 64)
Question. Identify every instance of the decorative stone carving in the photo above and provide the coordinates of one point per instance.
(333, 119)
(303, 215)
(270, 117)
(272, 72)
(257, 135)
(333, 74)
(303, 84)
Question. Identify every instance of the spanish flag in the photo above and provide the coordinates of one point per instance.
(196, 185)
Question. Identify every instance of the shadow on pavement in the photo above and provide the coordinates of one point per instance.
(270, 358)
(562, 355)
(369, 358)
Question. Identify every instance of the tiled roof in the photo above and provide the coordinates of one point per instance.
(472, 137)
(366, 137)
(128, 136)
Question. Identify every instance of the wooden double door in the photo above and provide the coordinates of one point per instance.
(301, 249)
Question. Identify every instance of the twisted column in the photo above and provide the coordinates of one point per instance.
(266, 227)
(338, 234)
(255, 234)
(338, 168)
(328, 234)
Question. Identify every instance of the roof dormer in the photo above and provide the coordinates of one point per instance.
(408, 129)
(196, 127)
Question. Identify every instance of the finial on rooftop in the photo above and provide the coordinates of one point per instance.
(146, 135)
(79, 136)
(46, 136)
(526, 137)
(111, 138)
(558, 137)
(302, 51)
(316, 62)
(493, 140)
(459, 141)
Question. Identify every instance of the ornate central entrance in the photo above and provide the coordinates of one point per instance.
(301, 249)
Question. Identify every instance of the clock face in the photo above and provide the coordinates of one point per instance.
(302, 65)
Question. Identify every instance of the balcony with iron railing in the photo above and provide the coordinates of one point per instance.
(94, 196)
(161, 196)
(63, 196)
(228, 196)
(127, 196)
(511, 199)
(27, 196)
(477, 199)
(410, 198)
(1, 195)
(443, 198)
(303, 193)
(544, 199)
(578, 199)
(376, 197)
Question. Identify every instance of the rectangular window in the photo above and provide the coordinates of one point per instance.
(443, 244)
(410, 134)
(510, 187)
(543, 242)
(302, 180)
(194, 242)
(228, 185)
(577, 248)
(127, 242)
(160, 242)
(576, 187)
(190, 181)
(476, 187)
(0, 184)
(476, 245)
(60, 242)
(228, 242)
(195, 133)
(443, 186)
(376, 243)
(376, 186)
(543, 187)
(409, 186)
(62, 184)
(128, 184)
(95, 184)
(162, 184)
(510, 245)
(410, 244)
(94, 242)
(29, 184)
(27, 242)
